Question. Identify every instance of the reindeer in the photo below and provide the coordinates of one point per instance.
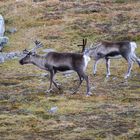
(55, 61)
(109, 50)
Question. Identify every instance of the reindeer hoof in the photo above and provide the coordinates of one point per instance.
(88, 94)
(74, 92)
(49, 90)
(126, 76)
(59, 87)
(107, 76)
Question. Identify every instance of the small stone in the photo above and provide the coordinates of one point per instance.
(12, 30)
(9, 56)
(68, 73)
(53, 109)
(3, 40)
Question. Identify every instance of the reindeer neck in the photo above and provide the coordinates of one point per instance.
(39, 61)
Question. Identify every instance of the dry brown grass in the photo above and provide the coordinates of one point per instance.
(113, 110)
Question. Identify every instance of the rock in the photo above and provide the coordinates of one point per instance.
(3, 40)
(68, 73)
(2, 26)
(44, 75)
(53, 109)
(9, 56)
(12, 30)
(1, 59)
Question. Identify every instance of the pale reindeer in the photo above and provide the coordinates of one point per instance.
(109, 50)
(55, 61)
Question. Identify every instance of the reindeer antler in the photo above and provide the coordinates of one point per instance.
(83, 45)
(38, 44)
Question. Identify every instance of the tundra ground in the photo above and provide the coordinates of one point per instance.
(113, 112)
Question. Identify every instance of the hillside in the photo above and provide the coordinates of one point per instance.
(113, 110)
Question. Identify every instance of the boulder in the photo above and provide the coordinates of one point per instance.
(1, 58)
(12, 30)
(9, 56)
(2, 26)
(3, 40)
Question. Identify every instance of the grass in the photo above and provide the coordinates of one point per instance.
(113, 110)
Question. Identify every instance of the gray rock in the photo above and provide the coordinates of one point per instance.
(2, 26)
(68, 73)
(12, 30)
(1, 59)
(3, 41)
(53, 109)
(9, 56)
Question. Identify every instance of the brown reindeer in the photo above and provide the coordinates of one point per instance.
(55, 61)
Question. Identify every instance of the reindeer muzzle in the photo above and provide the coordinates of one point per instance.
(21, 62)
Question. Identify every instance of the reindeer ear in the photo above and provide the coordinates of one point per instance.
(25, 51)
(36, 42)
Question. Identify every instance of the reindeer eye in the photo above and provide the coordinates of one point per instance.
(29, 53)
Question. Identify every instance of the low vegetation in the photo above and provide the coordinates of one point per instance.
(113, 110)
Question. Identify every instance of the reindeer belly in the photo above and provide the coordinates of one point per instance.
(114, 54)
(62, 68)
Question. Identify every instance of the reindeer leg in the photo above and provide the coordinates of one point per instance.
(55, 82)
(56, 85)
(95, 67)
(80, 82)
(136, 59)
(52, 74)
(130, 64)
(88, 93)
(51, 80)
(107, 67)
(127, 56)
(84, 76)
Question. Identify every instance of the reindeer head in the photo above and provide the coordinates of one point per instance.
(93, 51)
(29, 55)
